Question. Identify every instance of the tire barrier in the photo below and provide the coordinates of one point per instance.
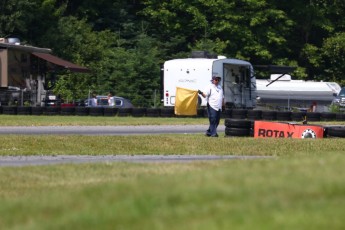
(138, 112)
(124, 112)
(313, 116)
(67, 111)
(167, 112)
(283, 115)
(51, 111)
(327, 116)
(153, 112)
(37, 111)
(110, 112)
(96, 111)
(239, 113)
(10, 110)
(242, 126)
(269, 115)
(81, 111)
(336, 131)
(225, 114)
(23, 110)
(238, 127)
(237, 132)
(243, 114)
(340, 116)
(254, 114)
(298, 116)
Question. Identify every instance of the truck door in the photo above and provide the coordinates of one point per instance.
(232, 86)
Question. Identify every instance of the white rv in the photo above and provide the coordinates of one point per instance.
(285, 92)
(238, 79)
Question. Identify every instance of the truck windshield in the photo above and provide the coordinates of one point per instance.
(342, 92)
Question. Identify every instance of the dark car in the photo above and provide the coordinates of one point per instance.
(340, 99)
(102, 101)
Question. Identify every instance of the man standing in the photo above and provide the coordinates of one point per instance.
(215, 103)
(111, 100)
(93, 101)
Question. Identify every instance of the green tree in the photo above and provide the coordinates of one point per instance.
(74, 40)
(333, 58)
(246, 29)
(147, 68)
(135, 72)
(12, 17)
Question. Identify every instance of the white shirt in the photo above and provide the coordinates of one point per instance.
(214, 96)
(111, 101)
(93, 101)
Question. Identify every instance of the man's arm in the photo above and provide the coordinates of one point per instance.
(201, 93)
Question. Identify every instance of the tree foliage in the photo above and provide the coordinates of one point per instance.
(124, 42)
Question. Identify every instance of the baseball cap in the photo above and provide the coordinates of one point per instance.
(216, 77)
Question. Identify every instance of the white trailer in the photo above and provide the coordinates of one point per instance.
(288, 93)
(238, 80)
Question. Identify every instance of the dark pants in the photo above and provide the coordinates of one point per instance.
(213, 117)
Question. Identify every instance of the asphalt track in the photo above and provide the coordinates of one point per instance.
(109, 130)
(77, 159)
(106, 130)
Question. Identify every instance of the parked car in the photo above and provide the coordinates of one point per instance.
(340, 99)
(102, 101)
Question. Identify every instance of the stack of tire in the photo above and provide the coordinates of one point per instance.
(334, 131)
(238, 127)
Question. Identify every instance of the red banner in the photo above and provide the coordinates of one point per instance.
(266, 129)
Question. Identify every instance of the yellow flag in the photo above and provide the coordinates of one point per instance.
(186, 101)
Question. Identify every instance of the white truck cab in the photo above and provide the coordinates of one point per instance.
(238, 80)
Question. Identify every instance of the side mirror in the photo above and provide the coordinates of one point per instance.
(334, 94)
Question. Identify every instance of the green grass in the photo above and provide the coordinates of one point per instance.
(26, 120)
(296, 192)
(301, 187)
(163, 144)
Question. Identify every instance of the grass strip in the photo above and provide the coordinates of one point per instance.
(163, 144)
(32, 120)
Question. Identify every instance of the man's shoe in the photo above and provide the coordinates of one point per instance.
(216, 135)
